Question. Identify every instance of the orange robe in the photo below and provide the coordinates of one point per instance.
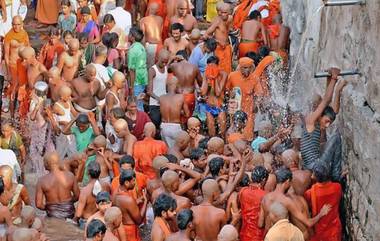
(249, 87)
(329, 227)
(48, 53)
(164, 226)
(144, 152)
(131, 230)
(225, 57)
(262, 75)
(23, 95)
(47, 11)
(248, 46)
(234, 137)
(190, 101)
(241, 13)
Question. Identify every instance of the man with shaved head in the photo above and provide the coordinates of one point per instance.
(56, 191)
(115, 96)
(158, 163)
(183, 17)
(36, 71)
(158, 74)
(146, 150)
(25, 234)
(215, 146)
(180, 149)
(68, 62)
(151, 26)
(55, 82)
(171, 106)
(113, 220)
(193, 128)
(194, 38)
(228, 233)
(122, 132)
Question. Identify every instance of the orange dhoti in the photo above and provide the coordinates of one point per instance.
(190, 102)
(248, 46)
(132, 232)
(225, 57)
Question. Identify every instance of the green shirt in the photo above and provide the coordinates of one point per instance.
(83, 139)
(137, 62)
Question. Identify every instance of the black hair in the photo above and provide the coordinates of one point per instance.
(1, 185)
(82, 119)
(66, 3)
(120, 3)
(108, 18)
(103, 197)
(330, 113)
(213, 60)
(321, 172)
(108, 39)
(240, 116)
(283, 174)
(171, 158)
(184, 217)
(176, 26)
(95, 227)
(82, 36)
(127, 159)
(85, 10)
(163, 203)
(182, 53)
(254, 56)
(137, 34)
(264, 51)
(67, 32)
(126, 175)
(211, 44)
(244, 181)
(196, 153)
(254, 15)
(259, 174)
(215, 165)
(203, 143)
(163, 170)
(53, 31)
(94, 170)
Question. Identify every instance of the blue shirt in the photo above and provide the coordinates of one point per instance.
(199, 59)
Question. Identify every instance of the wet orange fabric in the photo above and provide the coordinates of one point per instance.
(245, 47)
(141, 182)
(47, 11)
(234, 137)
(329, 227)
(225, 57)
(132, 232)
(190, 101)
(241, 13)
(164, 226)
(144, 151)
(249, 86)
(260, 73)
(48, 53)
(274, 30)
(21, 37)
(23, 95)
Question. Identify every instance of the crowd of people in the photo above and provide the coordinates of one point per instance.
(159, 114)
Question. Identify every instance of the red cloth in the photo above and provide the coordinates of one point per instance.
(250, 201)
(144, 152)
(329, 227)
(137, 127)
(274, 30)
(190, 101)
(48, 53)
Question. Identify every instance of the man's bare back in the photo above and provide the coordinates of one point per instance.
(69, 64)
(171, 106)
(83, 90)
(36, 73)
(251, 30)
(207, 229)
(188, 76)
(152, 28)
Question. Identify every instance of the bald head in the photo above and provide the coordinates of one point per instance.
(193, 122)
(25, 234)
(290, 158)
(73, 44)
(118, 77)
(277, 212)
(149, 130)
(182, 140)
(51, 160)
(222, 6)
(6, 172)
(159, 162)
(153, 8)
(121, 124)
(163, 54)
(16, 19)
(111, 215)
(65, 91)
(228, 233)
(28, 52)
(215, 145)
(100, 141)
(182, 4)
(17, 24)
(169, 178)
(209, 188)
(195, 34)
(54, 72)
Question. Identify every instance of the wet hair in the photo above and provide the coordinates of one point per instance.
(82, 36)
(108, 18)
(330, 113)
(184, 217)
(254, 56)
(53, 31)
(254, 15)
(82, 119)
(244, 181)
(259, 174)
(211, 44)
(176, 26)
(321, 172)
(137, 34)
(215, 165)
(103, 197)
(67, 32)
(118, 113)
(196, 153)
(127, 159)
(94, 169)
(203, 143)
(240, 116)
(66, 3)
(264, 51)
(283, 174)
(94, 228)
(109, 39)
(1, 185)
(126, 175)
(213, 60)
(163, 203)
(182, 53)
(171, 158)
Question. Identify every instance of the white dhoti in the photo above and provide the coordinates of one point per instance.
(151, 50)
(169, 131)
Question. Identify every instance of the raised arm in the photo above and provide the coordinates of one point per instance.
(338, 93)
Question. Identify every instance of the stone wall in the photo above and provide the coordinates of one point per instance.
(346, 37)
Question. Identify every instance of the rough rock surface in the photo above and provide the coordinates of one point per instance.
(347, 37)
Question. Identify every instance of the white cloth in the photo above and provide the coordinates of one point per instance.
(159, 85)
(169, 131)
(110, 131)
(102, 74)
(122, 18)
(8, 157)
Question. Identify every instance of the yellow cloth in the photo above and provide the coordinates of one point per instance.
(283, 230)
(211, 10)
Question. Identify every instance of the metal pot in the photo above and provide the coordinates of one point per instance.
(41, 88)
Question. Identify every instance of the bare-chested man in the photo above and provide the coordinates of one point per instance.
(279, 37)
(189, 80)
(132, 214)
(175, 43)
(180, 149)
(122, 132)
(14, 194)
(85, 89)
(87, 198)
(35, 70)
(151, 26)
(164, 212)
(55, 82)
(115, 96)
(102, 157)
(284, 178)
(194, 128)
(113, 220)
(56, 191)
(220, 28)
(171, 106)
(183, 17)
(185, 226)
(253, 34)
(153, 184)
(69, 61)
(5, 214)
